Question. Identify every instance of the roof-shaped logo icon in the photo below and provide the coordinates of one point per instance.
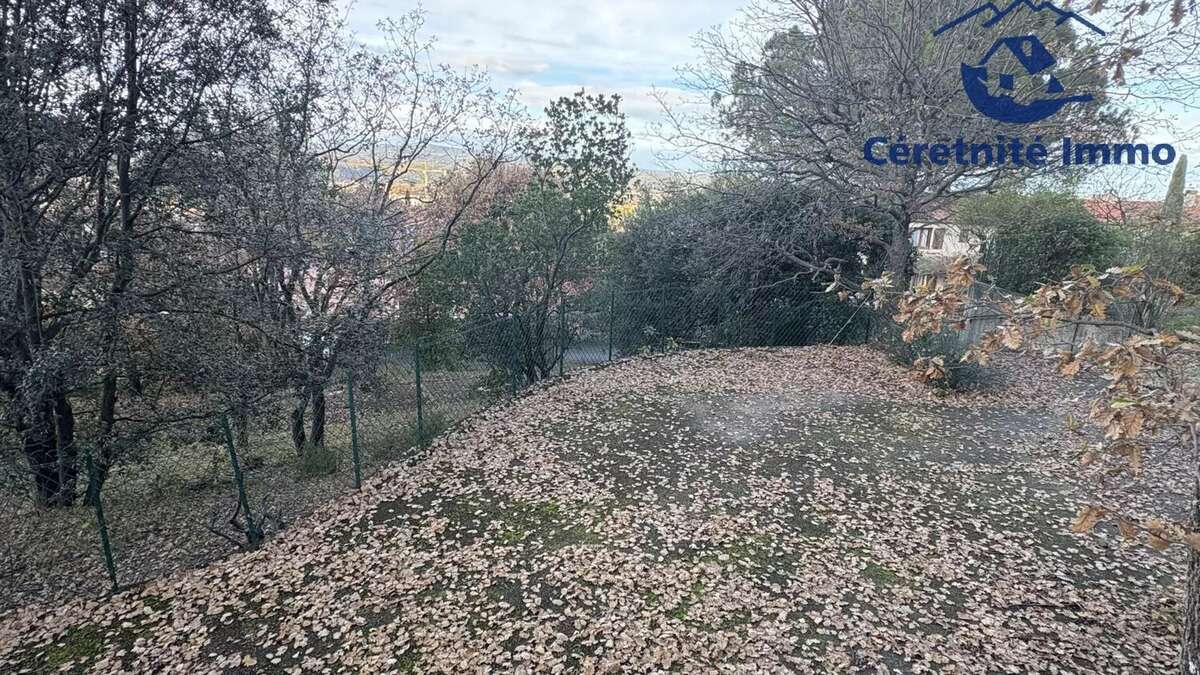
(990, 84)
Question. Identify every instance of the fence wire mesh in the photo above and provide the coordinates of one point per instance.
(194, 491)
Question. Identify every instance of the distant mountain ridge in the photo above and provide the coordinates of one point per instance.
(999, 15)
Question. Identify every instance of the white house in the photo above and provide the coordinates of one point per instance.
(937, 242)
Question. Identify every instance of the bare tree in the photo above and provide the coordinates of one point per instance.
(204, 207)
(100, 100)
(332, 192)
(799, 87)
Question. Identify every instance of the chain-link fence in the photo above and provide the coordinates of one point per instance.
(985, 314)
(195, 490)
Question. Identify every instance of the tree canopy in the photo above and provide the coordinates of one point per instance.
(1032, 238)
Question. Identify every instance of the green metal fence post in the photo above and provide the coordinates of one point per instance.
(562, 336)
(253, 534)
(101, 523)
(354, 454)
(420, 393)
(612, 303)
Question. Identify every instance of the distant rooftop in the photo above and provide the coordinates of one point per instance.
(1114, 209)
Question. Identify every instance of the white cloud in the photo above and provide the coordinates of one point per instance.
(551, 48)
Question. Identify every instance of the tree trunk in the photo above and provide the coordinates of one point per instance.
(43, 464)
(105, 454)
(68, 455)
(1189, 659)
(899, 253)
(241, 425)
(317, 435)
(298, 437)
(49, 447)
(121, 245)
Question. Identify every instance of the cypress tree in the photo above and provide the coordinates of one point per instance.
(1173, 206)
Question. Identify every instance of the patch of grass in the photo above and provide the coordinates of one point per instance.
(408, 663)
(680, 612)
(576, 534)
(740, 617)
(432, 425)
(810, 527)
(156, 603)
(402, 437)
(546, 510)
(755, 549)
(525, 518)
(543, 524)
(880, 575)
(818, 643)
(77, 645)
(508, 591)
(546, 521)
(514, 535)
(317, 460)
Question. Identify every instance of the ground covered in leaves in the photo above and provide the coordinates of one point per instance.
(767, 510)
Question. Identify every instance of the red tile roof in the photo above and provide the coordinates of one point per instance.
(1113, 209)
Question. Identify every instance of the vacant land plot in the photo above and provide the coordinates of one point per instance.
(783, 510)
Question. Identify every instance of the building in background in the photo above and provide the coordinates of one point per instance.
(936, 241)
(1115, 210)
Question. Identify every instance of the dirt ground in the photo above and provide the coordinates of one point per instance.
(794, 510)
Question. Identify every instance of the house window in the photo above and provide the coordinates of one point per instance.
(929, 238)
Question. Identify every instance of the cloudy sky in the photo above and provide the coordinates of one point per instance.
(550, 48)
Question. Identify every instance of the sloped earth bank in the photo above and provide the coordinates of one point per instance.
(783, 510)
